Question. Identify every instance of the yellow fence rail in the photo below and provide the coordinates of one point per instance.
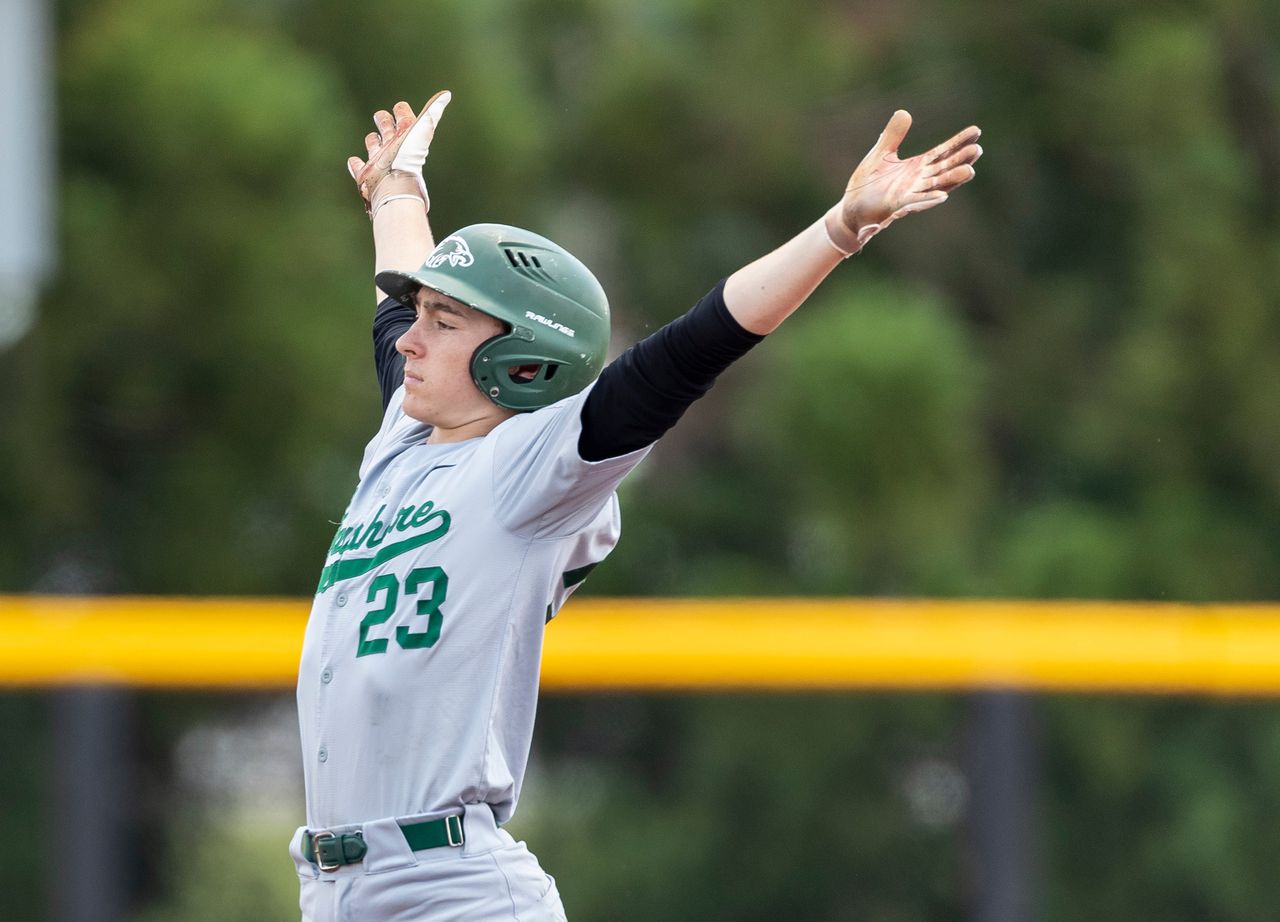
(690, 645)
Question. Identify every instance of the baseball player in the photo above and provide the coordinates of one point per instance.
(484, 499)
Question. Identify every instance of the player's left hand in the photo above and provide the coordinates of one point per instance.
(885, 187)
(399, 146)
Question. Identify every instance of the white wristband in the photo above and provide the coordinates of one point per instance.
(392, 198)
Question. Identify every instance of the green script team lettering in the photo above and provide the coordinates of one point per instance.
(373, 533)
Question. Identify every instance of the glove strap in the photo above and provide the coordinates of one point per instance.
(397, 185)
(842, 240)
(391, 198)
(845, 241)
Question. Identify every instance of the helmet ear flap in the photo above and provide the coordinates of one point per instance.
(484, 370)
(491, 370)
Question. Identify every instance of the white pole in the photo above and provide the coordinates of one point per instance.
(27, 162)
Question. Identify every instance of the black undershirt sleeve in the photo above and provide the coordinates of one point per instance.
(644, 392)
(390, 321)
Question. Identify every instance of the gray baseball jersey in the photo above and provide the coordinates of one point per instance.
(419, 674)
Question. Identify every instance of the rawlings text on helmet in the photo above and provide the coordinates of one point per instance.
(530, 315)
(454, 251)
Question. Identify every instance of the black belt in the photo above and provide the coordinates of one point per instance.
(331, 850)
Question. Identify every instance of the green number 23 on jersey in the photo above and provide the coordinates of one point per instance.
(414, 584)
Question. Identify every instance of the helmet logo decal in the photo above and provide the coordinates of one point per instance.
(530, 315)
(454, 251)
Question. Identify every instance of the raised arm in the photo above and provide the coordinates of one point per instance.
(392, 185)
(882, 189)
(646, 390)
(395, 197)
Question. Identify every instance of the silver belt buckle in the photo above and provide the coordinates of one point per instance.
(448, 830)
(315, 848)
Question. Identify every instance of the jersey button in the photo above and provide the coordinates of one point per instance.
(342, 600)
(326, 677)
(324, 754)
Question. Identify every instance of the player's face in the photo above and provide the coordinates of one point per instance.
(437, 351)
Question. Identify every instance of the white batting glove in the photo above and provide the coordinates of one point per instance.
(397, 151)
(884, 188)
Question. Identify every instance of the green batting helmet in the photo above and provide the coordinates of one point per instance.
(556, 311)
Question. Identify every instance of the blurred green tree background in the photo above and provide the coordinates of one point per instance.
(1062, 384)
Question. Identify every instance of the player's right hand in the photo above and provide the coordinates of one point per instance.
(400, 146)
